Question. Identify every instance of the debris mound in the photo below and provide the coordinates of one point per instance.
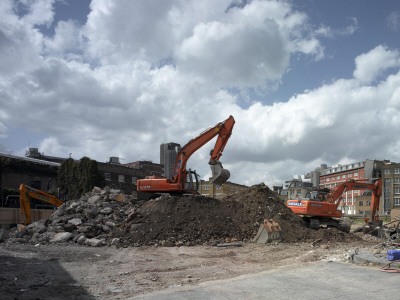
(104, 217)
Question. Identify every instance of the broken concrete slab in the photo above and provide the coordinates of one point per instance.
(61, 237)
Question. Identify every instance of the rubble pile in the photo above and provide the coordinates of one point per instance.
(102, 217)
(89, 220)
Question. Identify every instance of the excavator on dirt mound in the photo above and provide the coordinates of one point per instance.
(320, 207)
(182, 181)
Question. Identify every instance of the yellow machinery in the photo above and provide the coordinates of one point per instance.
(26, 193)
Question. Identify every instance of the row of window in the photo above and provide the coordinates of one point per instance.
(344, 168)
(121, 178)
(343, 176)
(395, 180)
(389, 171)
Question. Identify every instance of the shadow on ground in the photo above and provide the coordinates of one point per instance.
(30, 278)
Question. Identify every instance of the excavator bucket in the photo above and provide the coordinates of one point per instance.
(219, 174)
(268, 232)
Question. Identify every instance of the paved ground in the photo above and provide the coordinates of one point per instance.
(321, 280)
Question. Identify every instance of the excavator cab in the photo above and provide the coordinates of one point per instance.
(219, 174)
(189, 183)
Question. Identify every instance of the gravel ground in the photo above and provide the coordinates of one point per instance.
(72, 271)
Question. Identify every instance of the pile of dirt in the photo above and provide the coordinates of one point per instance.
(104, 218)
(192, 220)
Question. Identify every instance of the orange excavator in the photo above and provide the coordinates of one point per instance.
(320, 208)
(27, 193)
(182, 181)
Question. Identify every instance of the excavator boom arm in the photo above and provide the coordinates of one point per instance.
(222, 129)
(335, 195)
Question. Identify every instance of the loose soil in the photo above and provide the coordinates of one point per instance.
(194, 220)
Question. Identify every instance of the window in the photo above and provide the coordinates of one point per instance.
(396, 201)
(350, 175)
(338, 177)
(387, 190)
(134, 180)
(361, 203)
(218, 188)
(396, 170)
(327, 178)
(397, 180)
(397, 190)
(360, 212)
(368, 203)
(107, 176)
(344, 176)
(387, 171)
(206, 187)
(387, 180)
(355, 174)
(121, 178)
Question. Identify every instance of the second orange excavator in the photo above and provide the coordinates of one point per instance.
(182, 181)
(320, 208)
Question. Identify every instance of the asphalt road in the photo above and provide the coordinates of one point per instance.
(322, 280)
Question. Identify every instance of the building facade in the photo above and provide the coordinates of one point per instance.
(168, 154)
(296, 188)
(335, 175)
(150, 168)
(391, 187)
(206, 188)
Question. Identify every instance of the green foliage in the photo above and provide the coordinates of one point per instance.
(77, 178)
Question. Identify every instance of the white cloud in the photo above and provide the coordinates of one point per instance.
(141, 73)
(372, 64)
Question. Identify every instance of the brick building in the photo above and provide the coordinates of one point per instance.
(391, 187)
(15, 170)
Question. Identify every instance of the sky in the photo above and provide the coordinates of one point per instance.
(308, 82)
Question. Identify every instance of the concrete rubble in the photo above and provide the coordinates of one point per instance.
(86, 221)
